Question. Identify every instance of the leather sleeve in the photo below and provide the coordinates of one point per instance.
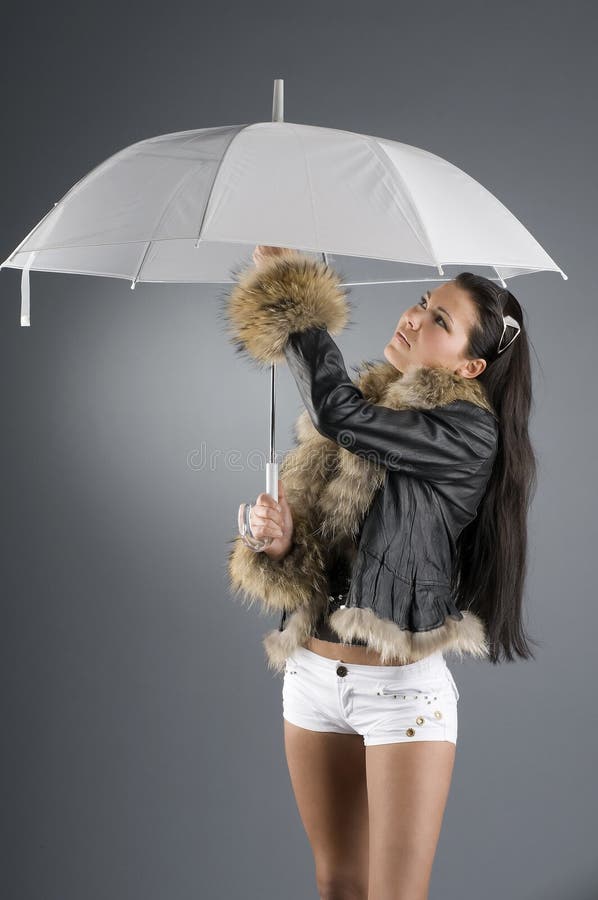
(444, 443)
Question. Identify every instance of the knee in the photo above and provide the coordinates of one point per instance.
(341, 886)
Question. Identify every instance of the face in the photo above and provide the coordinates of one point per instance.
(437, 330)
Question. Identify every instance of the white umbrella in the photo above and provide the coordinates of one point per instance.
(191, 206)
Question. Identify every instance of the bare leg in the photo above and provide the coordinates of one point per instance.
(408, 786)
(328, 776)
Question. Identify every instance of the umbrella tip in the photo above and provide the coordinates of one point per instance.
(278, 100)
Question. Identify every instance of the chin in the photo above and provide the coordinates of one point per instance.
(393, 357)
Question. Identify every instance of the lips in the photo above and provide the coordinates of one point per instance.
(402, 337)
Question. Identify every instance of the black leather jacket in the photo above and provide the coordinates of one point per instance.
(417, 453)
(437, 467)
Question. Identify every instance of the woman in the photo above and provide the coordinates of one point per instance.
(399, 535)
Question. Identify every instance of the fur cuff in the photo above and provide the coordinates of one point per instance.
(288, 584)
(287, 293)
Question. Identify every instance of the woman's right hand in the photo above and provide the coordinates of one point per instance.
(274, 520)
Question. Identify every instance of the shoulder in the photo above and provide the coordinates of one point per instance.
(479, 424)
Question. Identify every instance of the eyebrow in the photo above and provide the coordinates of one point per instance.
(428, 296)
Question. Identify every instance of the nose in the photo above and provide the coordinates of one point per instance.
(411, 321)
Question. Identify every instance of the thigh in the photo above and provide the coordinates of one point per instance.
(408, 786)
(328, 776)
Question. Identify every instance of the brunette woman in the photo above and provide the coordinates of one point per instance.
(399, 536)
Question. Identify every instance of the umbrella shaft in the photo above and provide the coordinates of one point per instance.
(272, 412)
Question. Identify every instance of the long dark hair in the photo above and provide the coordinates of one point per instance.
(491, 561)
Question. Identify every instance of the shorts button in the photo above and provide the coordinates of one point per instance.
(341, 670)
(410, 732)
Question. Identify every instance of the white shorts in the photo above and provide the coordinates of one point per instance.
(384, 704)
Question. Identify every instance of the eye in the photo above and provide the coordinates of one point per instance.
(438, 317)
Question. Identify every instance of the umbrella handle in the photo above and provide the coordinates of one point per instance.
(245, 529)
(245, 509)
(272, 480)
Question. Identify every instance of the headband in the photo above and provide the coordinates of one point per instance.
(513, 323)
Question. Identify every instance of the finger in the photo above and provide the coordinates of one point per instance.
(262, 527)
(267, 500)
(261, 533)
(266, 515)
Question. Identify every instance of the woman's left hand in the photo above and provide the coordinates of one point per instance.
(262, 253)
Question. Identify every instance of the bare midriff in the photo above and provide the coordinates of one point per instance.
(360, 656)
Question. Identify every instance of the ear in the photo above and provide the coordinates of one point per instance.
(471, 368)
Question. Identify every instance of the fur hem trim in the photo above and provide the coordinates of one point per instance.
(300, 625)
(463, 636)
(287, 293)
(466, 635)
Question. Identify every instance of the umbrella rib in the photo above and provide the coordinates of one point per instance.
(27, 236)
(311, 193)
(87, 175)
(424, 237)
(140, 266)
(189, 174)
(500, 278)
(216, 173)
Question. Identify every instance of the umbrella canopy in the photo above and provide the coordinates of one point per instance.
(191, 206)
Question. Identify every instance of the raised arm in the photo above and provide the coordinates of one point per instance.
(441, 443)
(287, 310)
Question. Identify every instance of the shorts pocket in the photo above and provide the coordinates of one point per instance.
(451, 681)
(290, 666)
(425, 693)
(412, 710)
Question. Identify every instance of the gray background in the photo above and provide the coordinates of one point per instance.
(141, 731)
